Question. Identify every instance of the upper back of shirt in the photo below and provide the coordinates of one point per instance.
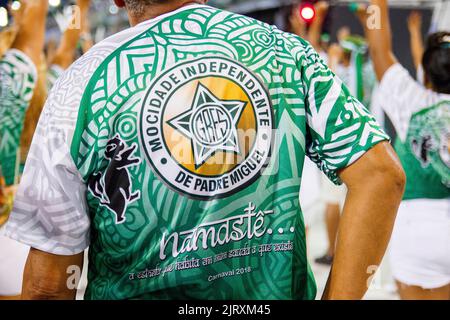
(179, 144)
(422, 120)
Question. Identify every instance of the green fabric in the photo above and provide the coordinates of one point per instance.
(358, 47)
(188, 82)
(424, 154)
(17, 82)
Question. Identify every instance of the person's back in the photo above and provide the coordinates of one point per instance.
(167, 131)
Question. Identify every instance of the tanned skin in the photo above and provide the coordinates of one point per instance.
(29, 40)
(416, 40)
(30, 37)
(65, 54)
(315, 30)
(376, 185)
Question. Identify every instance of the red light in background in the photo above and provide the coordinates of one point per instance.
(307, 12)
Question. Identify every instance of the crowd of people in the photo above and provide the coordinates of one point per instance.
(366, 69)
(30, 67)
(419, 252)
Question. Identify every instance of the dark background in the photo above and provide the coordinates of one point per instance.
(340, 16)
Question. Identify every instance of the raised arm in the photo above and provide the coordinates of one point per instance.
(416, 40)
(87, 42)
(30, 37)
(51, 277)
(375, 188)
(298, 25)
(65, 54)
(315, 30)
(375, 20)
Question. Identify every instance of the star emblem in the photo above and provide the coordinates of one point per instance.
(211, 124)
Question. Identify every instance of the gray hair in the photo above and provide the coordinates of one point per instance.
(137, 7)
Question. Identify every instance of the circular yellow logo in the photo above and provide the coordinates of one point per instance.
(206, 127)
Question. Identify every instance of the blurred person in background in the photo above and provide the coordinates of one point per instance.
(316, 37)
(331, 195)
(76, 29)
(18, 73)
(18, 78)
(420, 244)
(310, 191)
(416, 43)
(62, 57)
(123, 197)
(14, 254)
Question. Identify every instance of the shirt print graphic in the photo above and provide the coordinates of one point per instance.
(206, 127)
(114, 187)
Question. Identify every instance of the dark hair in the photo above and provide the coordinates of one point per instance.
(436, 61)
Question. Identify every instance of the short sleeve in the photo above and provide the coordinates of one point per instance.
(339, 128)
(50, 211)
(18, 78)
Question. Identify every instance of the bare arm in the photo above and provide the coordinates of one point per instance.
(30, 37)
(65, 54)
(298, 25)
(315, 30)
(45, 276)
(378, 34)
(416, 40)
(375, 188)
(87, 41)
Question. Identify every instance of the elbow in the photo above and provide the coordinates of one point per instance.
(397, 178)
(392, 190)
(393, 179)
(400, 180)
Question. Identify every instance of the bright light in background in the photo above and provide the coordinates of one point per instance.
(15, 5)
(3, 17)
(307, 12)
(54, 3)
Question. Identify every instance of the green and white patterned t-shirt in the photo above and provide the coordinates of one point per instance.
(175, 150)
(18, 78)
(421, 118)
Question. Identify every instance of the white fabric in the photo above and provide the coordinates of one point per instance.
(376, 106)
(420, 244)
(310, 190)
(13, 256)
(324, 56)
(401, 96)
(50, 211)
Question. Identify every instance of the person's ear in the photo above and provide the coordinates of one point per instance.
(120, 3)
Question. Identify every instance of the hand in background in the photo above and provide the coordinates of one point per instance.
(298, 25)
(361, 13)
(415, 22)
(322, 8)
